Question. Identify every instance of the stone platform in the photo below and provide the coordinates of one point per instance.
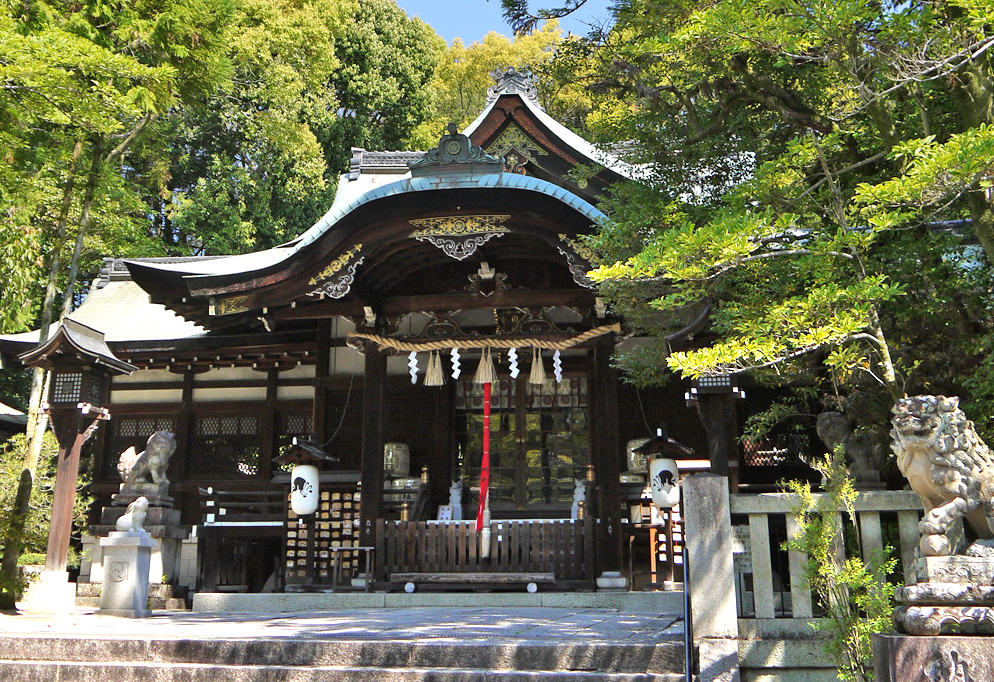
(389, 645)
(952, 658)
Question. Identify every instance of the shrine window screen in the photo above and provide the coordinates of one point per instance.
(539, 441)
(132, 431)
(224, 446)
(292, 425)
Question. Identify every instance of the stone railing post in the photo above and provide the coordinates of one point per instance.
(708, 537)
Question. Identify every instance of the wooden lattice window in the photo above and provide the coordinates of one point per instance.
(132, 431)
(224, 446)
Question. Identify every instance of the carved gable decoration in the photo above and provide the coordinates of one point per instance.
(513, 141)
(459, 236)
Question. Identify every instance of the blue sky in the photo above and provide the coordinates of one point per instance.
(473, 19)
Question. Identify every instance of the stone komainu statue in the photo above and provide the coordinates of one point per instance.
(948, 465)
(151, 463)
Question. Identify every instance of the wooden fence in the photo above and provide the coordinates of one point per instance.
(559, 546)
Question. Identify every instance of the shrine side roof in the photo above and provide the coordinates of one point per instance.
(122, 311)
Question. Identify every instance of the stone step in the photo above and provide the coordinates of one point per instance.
(602, 658)
(45, 671)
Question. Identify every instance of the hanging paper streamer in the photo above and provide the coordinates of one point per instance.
(434, 376)
(537, 375)
(512, 359)
(557, 366)
(456, 367)
(412, 362)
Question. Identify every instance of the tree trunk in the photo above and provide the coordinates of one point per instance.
(84, 221)
(36, 421)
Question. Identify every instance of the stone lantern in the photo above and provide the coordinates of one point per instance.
(81, 367)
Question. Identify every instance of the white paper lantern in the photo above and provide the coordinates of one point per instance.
(304, 489)
(664, 479)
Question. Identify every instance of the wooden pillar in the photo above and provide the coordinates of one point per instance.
(606, 451)
(183, 420)
(270, 430)
(441, 464)
(71, 432)
(322, 372)
(373, 399)
(717, 412)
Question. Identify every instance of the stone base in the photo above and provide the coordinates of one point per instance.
(126, 559)
(955, 569)
(157, 494)
(945, 620)
(612, 580)
(946, 594)
(51, 595)
(156, 516)
(905, 658)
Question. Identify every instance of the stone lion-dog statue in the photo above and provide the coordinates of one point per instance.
(947, 464)
(151, 463)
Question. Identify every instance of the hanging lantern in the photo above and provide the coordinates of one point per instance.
(538, 371)
(434, 376)
(664, 479)
(485, 373)
(304, 489)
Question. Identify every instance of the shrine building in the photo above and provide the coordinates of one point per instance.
(362, 338)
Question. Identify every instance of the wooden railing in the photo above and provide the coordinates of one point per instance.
(559, 546)
(796, 601)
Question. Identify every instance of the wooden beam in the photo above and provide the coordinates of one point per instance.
(322, 370)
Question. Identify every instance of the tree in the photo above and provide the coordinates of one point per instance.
(459, 86)
(256, 163)
(87, 80)
(803, 156)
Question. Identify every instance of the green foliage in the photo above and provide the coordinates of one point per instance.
(800, 159)
(34, 538)
(855, 594)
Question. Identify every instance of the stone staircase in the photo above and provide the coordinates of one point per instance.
(46, 658)
(160, 597)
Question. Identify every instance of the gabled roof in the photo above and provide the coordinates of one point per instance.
(76, 339)
(518, 85)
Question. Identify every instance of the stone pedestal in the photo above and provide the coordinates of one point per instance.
(50, 595)
(612, 581)
(906, 658)
(126, 559)
(157, 494)
(163, 524)
(951, 595)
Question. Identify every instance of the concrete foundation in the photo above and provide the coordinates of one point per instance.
(50, 595)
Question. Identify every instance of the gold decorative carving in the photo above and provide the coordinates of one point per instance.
(336, 265)
(459, 226)
(582, 250)
(459, 236)
(232, 305)
(514, 138)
